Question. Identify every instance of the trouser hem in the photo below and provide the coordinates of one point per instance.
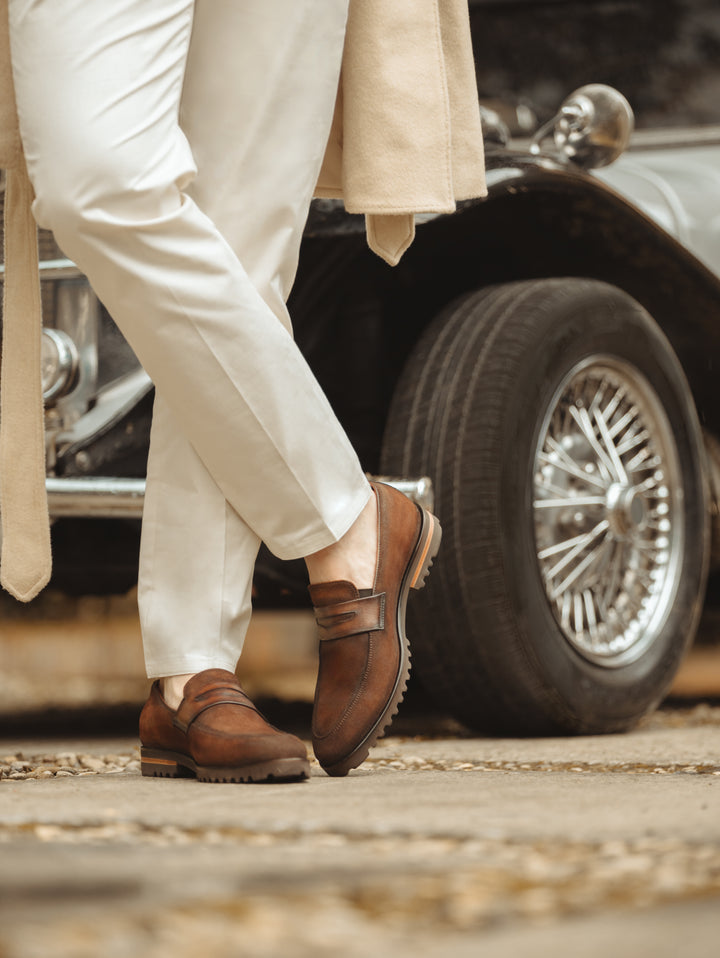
(331, 532)
(186, 665)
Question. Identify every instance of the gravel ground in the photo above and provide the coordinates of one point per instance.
(407, 908)
(99, 868)
(19, 766)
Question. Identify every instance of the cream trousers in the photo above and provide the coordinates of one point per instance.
(173, 148)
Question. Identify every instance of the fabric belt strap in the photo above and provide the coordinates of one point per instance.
(220, 695)
(25, 562)
(342, 619)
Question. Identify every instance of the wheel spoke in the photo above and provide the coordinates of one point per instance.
(631, 442)
(578, 609)
(645, 546)
(565, 610)
(590, 613)
(567, 465)
(583, 420)
(571, 501)
(584, 542)
(609, 410)
(563, 546)
(638, 460)
(610, 446)
(542, 485)
(624, 421)
(577, 571)
(598, 397)
(564, 455)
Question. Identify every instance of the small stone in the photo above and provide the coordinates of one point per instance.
(68, 758)
(95, 764)
(48, 833)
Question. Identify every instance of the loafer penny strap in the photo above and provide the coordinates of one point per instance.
(354, 617)
(190, 709)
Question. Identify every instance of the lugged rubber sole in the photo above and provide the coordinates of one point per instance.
(159, 763)
(415, 576)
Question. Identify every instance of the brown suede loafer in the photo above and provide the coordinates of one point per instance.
(364, 654)
(216, 735)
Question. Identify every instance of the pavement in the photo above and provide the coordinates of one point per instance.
(440, 844)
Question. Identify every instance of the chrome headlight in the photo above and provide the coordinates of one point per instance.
(592, 128)
(59, 364)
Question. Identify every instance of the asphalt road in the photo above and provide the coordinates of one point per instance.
(439, 845)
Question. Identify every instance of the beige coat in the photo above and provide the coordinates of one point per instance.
(405, 139)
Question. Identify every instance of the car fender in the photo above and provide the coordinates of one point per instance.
(544, 219)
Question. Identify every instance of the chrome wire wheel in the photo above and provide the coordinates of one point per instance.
(562, 440)
(608, 511)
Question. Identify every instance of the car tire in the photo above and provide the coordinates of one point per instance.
(483, 406)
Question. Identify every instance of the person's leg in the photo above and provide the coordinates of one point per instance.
(196, 562)
(258, 95)
(98, 88)
(285, 92)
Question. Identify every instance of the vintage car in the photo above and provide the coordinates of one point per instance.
(543, 364)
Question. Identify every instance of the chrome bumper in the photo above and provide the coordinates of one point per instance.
(98, 497)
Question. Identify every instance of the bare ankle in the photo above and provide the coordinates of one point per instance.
(172, 688)
(353, 557)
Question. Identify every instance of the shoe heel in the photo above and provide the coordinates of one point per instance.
(431, 535)
(155, 763)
